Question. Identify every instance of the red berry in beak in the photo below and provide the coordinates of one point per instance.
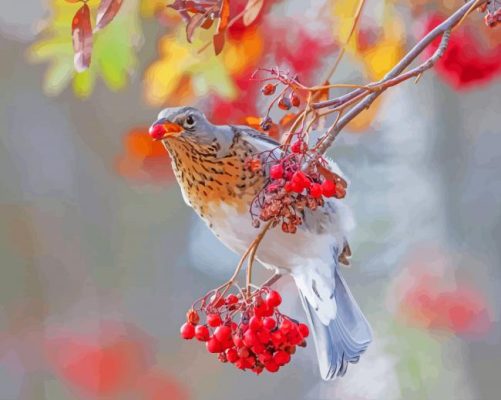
(157, 131)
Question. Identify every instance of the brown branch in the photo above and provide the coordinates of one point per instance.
(394, 76)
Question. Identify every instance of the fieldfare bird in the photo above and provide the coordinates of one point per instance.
(209, 162)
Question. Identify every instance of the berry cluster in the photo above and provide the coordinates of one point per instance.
(291, 190)
(250, 333)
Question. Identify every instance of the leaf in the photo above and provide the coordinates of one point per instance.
(82, 38)
(218, 42)
(107, 10)
(195, 22)
(224, 16)
(224, 19)
(113, 51)
(252, 10)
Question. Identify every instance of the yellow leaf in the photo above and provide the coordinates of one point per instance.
(179, 67)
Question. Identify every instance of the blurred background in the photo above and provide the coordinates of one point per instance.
(100, 257)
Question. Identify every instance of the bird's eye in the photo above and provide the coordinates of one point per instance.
(189, 122)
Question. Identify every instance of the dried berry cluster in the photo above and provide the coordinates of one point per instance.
(290, 190)
(248, 333)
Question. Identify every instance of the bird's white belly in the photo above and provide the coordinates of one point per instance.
(278, 249)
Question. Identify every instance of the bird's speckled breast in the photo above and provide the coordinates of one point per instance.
(208, 180)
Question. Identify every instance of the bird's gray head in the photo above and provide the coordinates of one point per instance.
(183, 122)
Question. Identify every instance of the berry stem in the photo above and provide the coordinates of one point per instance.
(252, 255)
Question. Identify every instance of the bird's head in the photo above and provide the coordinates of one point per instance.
(185, 123)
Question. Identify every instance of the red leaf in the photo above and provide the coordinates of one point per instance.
(107, 10)
(218, 42)
(81, 30)
(224, 16)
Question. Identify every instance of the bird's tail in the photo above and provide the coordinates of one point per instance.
(342, 339)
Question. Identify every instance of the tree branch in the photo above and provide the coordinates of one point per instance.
(393, 77)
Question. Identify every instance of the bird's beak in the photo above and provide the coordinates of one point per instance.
(163, 129)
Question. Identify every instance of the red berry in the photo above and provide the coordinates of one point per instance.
(157, 131)
(284, 103)
(316, 190)
(268, 89)
(297, 146)
(213, 346)
(222, 357)
(258, 348)
(249, 362)
(265, 356)
(286, 326)
(222, 333)
(238, 341)
(255, 323)
(250, 338)
(213, 320)
(276, 171)
(269, 323)
(243, 352)
(257, 370)
(295, 100)
(328, 188)
(264, 336)
(187, 331)
(240, 363)
(273, 299)
(231, 299)
(271, 366)
(231, 355)
(202, 333)
(303, 330)
(281, 357)
(277, 338)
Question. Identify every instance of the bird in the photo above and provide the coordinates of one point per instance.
(209, 163)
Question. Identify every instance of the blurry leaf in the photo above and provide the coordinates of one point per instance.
(252, 10)
(107, 10)
(218, 43)
(244, 54)
(224, 16)
(113, 54)
(195, 21)
(181, 68)
(81, 31)
(224, 19)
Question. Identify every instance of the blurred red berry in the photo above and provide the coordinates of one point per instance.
(187, 331)
(328, 188)
(268, 89)
(202, 333)
(284, 103)
(213, 320)
(276, 171)
(304, 330)
(273, 299)
(222, 333)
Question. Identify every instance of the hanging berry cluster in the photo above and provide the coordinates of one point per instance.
(249, 333)
(291, 188)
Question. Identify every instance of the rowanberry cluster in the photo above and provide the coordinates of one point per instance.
(250, 333)
(290, 190)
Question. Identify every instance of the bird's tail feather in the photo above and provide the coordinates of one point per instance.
(345, 337)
